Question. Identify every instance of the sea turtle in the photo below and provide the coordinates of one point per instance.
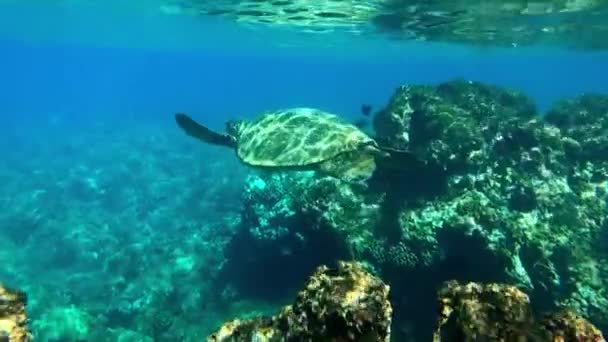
(303, 139)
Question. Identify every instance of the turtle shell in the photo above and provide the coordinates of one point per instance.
(297, 137)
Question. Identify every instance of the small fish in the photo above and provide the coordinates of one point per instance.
(366, 109)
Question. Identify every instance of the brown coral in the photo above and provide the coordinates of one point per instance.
(337, 304)
(490, 311)
(568, 326)
(499, 312)
(13, 321)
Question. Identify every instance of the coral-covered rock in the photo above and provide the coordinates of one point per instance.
(584, 120)
(294, 222)
(518, 190)
(503, 200)
(453, 124)
(13, 319)
(566, 325)
(500, 312)
(342, 304)
(481, 312)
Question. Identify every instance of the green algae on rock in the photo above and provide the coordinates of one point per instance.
(345, 303)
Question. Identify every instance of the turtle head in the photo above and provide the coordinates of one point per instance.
(234, 127)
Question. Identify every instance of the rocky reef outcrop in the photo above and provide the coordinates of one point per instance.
(585, 120)
(500, 312)
(453, 124)
(524, 197)
(348, 303)
(13, 319)
(509, 195)
(345, 303)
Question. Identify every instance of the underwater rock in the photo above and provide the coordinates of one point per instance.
(505, 201)
(566, 325)
(473, 312)
(481, 311)
(453, 124)
(583, 119)
(515, 199)
(294, 222)
(346, 303)
(13, 319)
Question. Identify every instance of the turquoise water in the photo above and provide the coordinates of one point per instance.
(112, 220)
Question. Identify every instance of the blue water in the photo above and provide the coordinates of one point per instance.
(123, 58)
(81, 80)
(65, 69)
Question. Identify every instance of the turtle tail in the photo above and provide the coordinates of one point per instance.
(200, 132)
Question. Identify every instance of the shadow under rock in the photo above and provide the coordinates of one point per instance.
(272, 270)
(414, 293)
(463, 257)
(404, 189)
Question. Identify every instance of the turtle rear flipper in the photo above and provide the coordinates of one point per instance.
(198, 131)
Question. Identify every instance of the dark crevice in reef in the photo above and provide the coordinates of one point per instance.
(463, 256)
(405, 189)
(273, 270)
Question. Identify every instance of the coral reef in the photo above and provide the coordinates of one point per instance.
(345, 303)
(349, 304)
(149, 238)
(452, 124)
(107, 238)
(518, 189)
(516, 195)
(503, 199)
(583, 119)
(292, 222)
(499, 312)
(13, 319)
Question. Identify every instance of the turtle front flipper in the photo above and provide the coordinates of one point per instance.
(198, 131)
(400, 159)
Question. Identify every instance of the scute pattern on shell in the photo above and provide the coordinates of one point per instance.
(297, 137)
